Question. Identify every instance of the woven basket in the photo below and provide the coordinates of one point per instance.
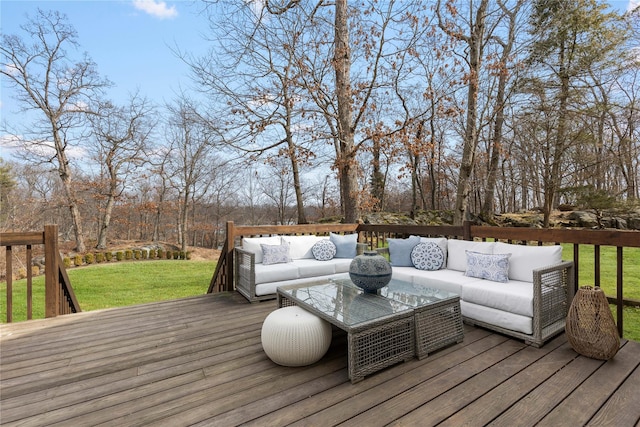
(590, 327)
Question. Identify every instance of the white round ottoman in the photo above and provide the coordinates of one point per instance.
(292, 336)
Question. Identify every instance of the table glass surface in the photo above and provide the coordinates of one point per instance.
(408, 293)
(343, 301)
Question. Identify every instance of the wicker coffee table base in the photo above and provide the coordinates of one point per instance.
(438, 325)
(373, 346)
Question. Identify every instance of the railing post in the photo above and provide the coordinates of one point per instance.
(231, 238)
(466, 230)
(9, 274)
(52, 284)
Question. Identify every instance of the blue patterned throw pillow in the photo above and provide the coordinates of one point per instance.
(494, 267)
(324, 250)
(427, 256)
(275, 254)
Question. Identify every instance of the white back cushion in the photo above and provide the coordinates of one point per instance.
(300, 246)
(525, 259)
(252, 244)
(456, 252)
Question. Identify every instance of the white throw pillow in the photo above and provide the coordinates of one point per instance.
(324, 250)
(440, 241)
(427, 256)
(488, 266)
(275, 254)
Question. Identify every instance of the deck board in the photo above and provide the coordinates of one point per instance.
(199, 361)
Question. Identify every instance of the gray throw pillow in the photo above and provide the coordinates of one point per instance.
(345, 245)
(400, 251)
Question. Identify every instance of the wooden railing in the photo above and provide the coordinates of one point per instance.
(59, 295)
(376, 234)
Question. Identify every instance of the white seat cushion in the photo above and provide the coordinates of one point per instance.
(503, 319)
(313, 268)
(514, 296)
(276, 272)
(447, 280)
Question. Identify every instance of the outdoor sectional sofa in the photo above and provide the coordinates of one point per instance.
(522, 291)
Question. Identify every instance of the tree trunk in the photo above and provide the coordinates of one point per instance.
(345, 159)
(65, 176)
(471, 127)
(496, 146)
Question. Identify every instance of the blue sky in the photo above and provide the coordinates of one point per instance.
(130, 40)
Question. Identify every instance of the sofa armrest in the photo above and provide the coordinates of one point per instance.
(245, 273)
(553, 291)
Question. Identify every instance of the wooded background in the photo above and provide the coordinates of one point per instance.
(305, 110)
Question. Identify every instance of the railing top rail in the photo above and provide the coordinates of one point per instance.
(292, 229)
(621, 238)
(439, 230)
(27, 238)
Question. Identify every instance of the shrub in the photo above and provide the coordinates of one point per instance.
(35, 270)
(176, 254)
(128, 254)
(77, 260)
(22, 273)
(188, 255)
(99, 257)
(169, 255)
(66, 261)
(152, 254)
(108, 256)
(89, 258)
(160, 253)
(137, 254)
(119, 256)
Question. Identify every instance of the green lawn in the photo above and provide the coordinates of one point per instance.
(631, 269)
(119, 284)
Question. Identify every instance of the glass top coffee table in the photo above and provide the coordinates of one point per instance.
(400, 321)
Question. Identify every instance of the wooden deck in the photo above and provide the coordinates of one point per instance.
(198, 361)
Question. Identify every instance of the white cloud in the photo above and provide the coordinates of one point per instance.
(159, 9)
(22, 147)
(633, 4)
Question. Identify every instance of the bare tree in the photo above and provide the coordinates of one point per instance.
(51, 81)
(254, 71)
(121, 135)
(473, 33)
(190, 146)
